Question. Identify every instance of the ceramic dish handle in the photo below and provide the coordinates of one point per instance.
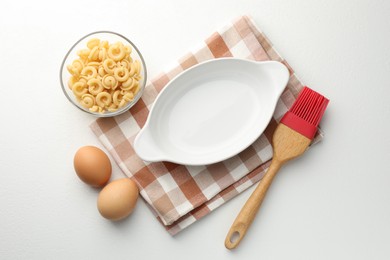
(279, 73)
(145, 146)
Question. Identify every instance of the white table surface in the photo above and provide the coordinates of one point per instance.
(333, 203)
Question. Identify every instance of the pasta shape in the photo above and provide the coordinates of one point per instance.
(125, 63)
(132, 69)
(103, 99)
(112, 108)
(117, 97)
(137, 67)
(94, 53)
(96, 109)
(95, 86)
(109, 65)
(89, 72)
(121, 74)
(102, 54)
(104, 44)
(87, 100)
(73, 71)
(93, 43)
(128, 49)
(79, 89)
(83, 80)
(109, 82)
(122, 103)
(83, 53)
(72, 80)
(128, 58)
(128, 96)
(95, 64)
(78, 65)
(138, 77)
(135, 88)
(128, 84)
(116, 51)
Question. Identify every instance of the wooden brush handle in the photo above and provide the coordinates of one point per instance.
(287, 144)
(248, 212)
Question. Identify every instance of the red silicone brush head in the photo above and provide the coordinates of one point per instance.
(306, 112)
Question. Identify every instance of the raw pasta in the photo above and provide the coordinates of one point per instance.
(95, 86)
(116, 51)
(104, 77)
(103, 99)
(121, 74)
(87, 100)
(79, 89)
(109, 82)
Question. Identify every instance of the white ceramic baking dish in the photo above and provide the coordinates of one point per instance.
(211, 111)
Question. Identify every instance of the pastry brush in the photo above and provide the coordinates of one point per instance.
(291, 138)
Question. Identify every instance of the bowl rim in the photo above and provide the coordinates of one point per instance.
(128, 106)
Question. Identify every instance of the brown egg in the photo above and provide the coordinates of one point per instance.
(92, 166)
(117, 200)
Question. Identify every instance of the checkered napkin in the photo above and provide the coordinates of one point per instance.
(179, 195)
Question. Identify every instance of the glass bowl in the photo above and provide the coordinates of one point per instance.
(112, 38)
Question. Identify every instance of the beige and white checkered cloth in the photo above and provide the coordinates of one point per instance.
(177, 194)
